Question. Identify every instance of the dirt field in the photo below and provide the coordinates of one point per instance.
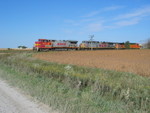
(135, 61)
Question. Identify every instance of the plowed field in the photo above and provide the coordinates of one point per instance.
(135, 61)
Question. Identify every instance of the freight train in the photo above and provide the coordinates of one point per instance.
(46, 45)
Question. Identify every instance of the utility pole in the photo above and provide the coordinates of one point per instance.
(91, 39)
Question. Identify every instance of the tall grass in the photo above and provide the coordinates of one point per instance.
(77, 89)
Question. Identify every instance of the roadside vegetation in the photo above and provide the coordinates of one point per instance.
(74, 89)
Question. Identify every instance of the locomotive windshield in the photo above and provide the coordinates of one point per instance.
(43, 40)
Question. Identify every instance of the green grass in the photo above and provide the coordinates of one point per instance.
(76, 89)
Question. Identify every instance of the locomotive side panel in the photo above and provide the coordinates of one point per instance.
(60, 44)
(68, 44)
(73, 44)
(89, 45)
(134, 46)
(103, 45)
(42, 44)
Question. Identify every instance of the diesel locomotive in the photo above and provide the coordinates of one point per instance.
(46, 45)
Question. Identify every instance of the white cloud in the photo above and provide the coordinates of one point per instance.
(94, 13)
(67, 31)
(72, 22)
(145, 11)
(127, 22)
(131, 18)
(93, 22)
(88, 20)
(91, 14)
(94, 27)
(112, 8)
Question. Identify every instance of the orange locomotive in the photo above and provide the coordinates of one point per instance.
(134, 46)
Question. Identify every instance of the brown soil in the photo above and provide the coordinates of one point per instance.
(135, 61)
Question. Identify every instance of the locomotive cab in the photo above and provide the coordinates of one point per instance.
(42, 44)
(89, 44)
(73, 43)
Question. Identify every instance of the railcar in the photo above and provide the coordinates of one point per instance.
(88, 45)
(96, 45)
(106, 45)
(45, 45)
(135, 46)
(120, 46)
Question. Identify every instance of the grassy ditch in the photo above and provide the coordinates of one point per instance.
(77, 89)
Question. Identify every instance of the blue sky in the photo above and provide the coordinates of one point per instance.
(24, 21)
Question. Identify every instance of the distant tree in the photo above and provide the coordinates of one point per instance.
(19, 46)
(22, 47)
(148, 43)
(8, 48)
(127, 44)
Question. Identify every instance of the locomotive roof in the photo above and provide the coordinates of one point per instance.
(91, 41)
(43, 39)
(46, 39)
(59, 40)
(72, 40)
(133, 43)
(113, 42)
(75, 41)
